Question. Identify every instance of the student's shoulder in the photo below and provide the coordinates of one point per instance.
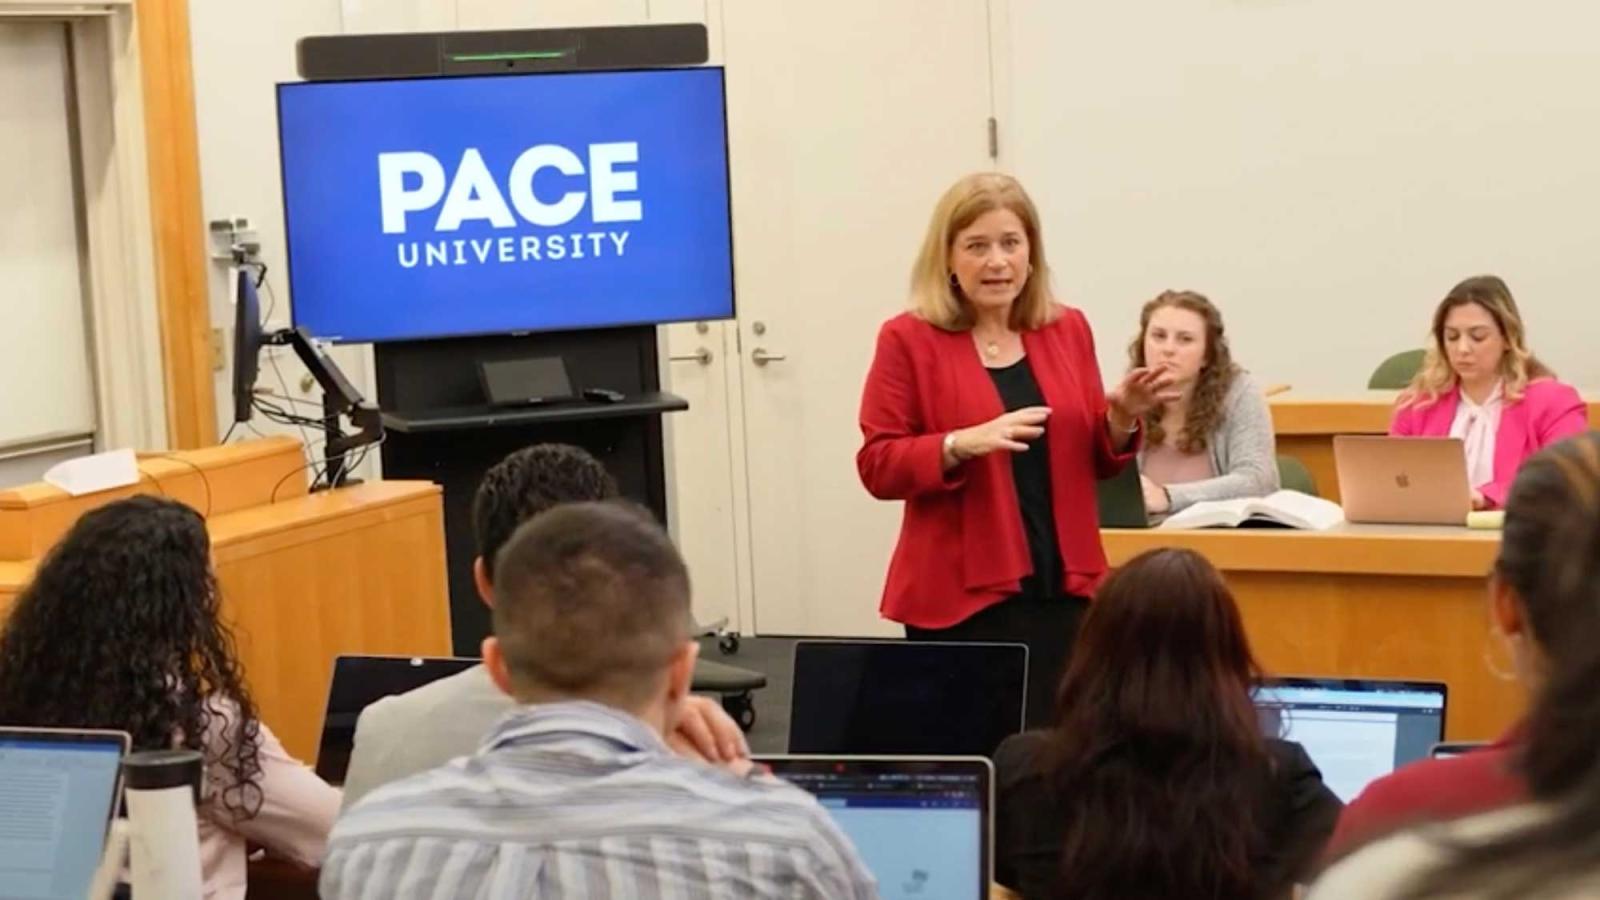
(469, 687)
(1472, 782)
(1019, 759)
(1244, 387)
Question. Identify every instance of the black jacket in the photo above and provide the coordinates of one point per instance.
(1298, 815)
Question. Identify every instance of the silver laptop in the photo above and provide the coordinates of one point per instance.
(1355, 729)
(1402, 480)
(58, 792)
(923, 824)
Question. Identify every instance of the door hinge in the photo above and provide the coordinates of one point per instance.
(994, 138)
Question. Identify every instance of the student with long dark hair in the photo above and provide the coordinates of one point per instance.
(119, 629)
(1156, 780)
(1546, 596)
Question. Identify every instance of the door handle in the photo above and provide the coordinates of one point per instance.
(700, 355)
(761, 357)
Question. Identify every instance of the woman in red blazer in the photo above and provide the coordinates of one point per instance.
(985, 413)
(1479, 382)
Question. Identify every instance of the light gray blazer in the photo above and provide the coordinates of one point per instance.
(422, 729)
(1244, 452)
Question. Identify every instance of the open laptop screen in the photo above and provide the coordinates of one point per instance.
(906, 697)
(360, 681)
(921, 825)
(57, 792)
(1355, 730)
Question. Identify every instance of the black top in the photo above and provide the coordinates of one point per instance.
(1297, 813)
(1031, 472)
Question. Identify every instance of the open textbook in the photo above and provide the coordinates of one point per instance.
(1290, 508)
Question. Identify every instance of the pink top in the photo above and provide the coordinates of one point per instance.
(297, 812)
(1547, 412)
(1165, 464)
(1476, 425)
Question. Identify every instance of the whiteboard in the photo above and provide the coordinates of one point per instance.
(46, 385)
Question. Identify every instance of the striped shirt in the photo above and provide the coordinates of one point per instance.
(579, 800)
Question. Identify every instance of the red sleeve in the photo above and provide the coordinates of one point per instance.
(1107, 460)
(898, 459)
(1361, 820)
(1431, 790)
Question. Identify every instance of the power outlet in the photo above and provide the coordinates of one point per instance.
(219, 350)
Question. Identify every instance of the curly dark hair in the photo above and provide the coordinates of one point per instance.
(528, 482)
(119, 629)
(1212, 385)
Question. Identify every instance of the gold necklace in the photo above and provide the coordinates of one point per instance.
(990, 349)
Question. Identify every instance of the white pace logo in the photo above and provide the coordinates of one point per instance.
(413, 182)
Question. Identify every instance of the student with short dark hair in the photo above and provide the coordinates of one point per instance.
(1155, 781)
(431, 725)
(576, 793)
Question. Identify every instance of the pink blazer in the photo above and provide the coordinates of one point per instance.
(1548, 411)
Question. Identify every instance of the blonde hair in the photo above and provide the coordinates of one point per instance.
(1217, 372)
(934, 298)
(1518, 365)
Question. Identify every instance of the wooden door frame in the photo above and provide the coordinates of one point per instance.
(178, 231)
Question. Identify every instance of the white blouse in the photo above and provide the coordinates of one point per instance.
(1476, 425)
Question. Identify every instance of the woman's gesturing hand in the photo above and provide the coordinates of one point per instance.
(1009, 432)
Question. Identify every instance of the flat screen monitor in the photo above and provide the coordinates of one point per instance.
(433, 207)
(1355, 729)
(247, 340)
(906, 697)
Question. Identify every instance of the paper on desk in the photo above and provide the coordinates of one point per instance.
(1486, 518)
(95, 472)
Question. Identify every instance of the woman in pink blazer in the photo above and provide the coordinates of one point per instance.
(1479, 382)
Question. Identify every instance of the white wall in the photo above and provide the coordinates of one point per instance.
(236, 67)
(1323, 169)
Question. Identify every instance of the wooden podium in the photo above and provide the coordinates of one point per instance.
(304, 577)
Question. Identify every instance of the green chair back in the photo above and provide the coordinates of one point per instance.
(1397, 371)
(1294, 476)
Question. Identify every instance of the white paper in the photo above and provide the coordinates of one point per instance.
(96, 472)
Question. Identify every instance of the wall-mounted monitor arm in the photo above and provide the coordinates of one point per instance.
(339, 398)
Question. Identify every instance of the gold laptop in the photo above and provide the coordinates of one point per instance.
(1402, 480)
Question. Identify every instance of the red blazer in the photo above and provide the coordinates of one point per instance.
(1431, 790)
(962, 546)
(1548, 411)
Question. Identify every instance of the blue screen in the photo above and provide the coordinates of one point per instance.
(420, 208)
(55, 799)
(920, 833)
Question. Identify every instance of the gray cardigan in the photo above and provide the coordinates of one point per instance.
(1243, 450)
